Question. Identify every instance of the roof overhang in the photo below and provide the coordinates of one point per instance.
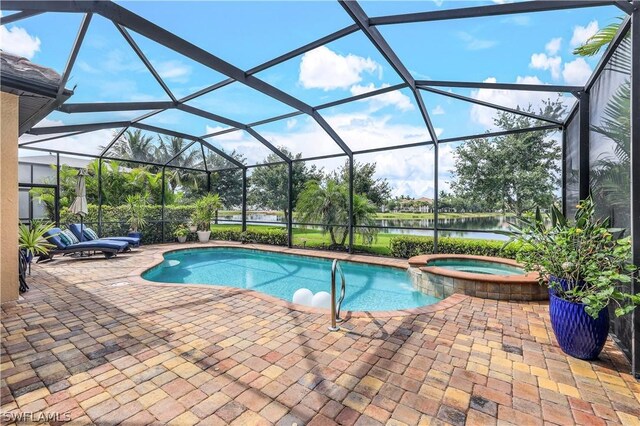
(37, 87)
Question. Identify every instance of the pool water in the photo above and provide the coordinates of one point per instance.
(477, 266)
(368, 287)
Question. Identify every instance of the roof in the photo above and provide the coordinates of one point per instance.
(51, 159)
(36, 85)
(171, 109)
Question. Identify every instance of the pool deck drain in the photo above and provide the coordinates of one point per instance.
(140, 354)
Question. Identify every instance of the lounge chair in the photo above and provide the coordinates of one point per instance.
(89, 235)
(107, 247)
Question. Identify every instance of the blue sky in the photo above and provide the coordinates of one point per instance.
(532, 48)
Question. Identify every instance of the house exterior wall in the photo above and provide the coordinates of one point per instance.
(9, 196)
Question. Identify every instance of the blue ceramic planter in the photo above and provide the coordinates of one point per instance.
(578, 334)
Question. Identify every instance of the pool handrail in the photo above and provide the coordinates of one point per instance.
(335, 306)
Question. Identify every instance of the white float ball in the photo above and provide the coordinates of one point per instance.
(303, 296)
(321, 299)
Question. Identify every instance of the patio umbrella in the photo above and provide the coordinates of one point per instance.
(79, 205)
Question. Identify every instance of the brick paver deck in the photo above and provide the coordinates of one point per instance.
(92, 341)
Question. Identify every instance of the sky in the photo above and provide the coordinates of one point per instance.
(524, 48)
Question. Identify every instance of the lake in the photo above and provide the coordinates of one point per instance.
(458, 227)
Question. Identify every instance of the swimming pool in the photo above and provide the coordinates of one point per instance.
(369, 287)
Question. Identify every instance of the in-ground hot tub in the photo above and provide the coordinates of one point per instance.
(442, 275)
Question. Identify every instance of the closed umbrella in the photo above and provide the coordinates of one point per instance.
(79, 206)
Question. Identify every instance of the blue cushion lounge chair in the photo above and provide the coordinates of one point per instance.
(108, 248)
(75, 228)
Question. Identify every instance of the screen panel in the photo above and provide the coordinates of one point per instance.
(572, 165)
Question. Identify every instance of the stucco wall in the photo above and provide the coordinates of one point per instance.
(8, 196)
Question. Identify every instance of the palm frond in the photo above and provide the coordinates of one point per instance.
(599, 40)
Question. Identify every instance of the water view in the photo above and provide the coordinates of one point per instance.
(464, 227)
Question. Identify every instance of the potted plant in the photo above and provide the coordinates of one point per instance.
(586, 266)
(32, 241)
(181, 233)
(205, 209)
(193, 227)
(136, 208)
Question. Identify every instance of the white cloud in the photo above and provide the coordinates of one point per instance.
(438, 110)
(87, 143)
(291, 123)
(508, 98)
(544, 62)
(240, 141)
(18, 41)
(395, 98)
(576, 72)
(582, 34)
(322, 68)
(173, 71)
(410, 171)
(553, 46)
(236, 135)
(365, 131)
(474, 43)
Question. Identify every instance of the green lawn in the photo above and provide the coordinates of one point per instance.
(314, 238)
(391, 215)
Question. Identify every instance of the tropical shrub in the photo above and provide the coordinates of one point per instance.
(181, 231)
(136, 206)
(204, 211)
(114, 220)
(407, 246)
(266, 235)
(31, 239)
(591, 258)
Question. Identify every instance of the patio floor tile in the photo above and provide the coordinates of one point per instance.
(93, 340)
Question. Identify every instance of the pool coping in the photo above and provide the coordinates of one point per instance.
(419, 261)
(158, 257)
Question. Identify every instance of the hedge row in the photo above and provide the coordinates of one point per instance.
(114, 221)
(266, 235)
(114, 224)
(408, 246)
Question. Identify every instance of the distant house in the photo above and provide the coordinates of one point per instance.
(419, 205)
(36, 170)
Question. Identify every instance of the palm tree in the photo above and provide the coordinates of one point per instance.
(324, 203)
(173, 147)
(134, 145)
(364, 214)
(610, 175)
(327, 203)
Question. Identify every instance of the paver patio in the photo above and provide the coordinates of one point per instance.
(91, 340)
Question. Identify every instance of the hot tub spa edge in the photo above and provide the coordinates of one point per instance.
(443, 282)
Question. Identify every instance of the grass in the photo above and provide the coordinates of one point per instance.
(313, 238)
(391, 215)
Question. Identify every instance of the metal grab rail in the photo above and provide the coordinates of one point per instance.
(335, 306)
